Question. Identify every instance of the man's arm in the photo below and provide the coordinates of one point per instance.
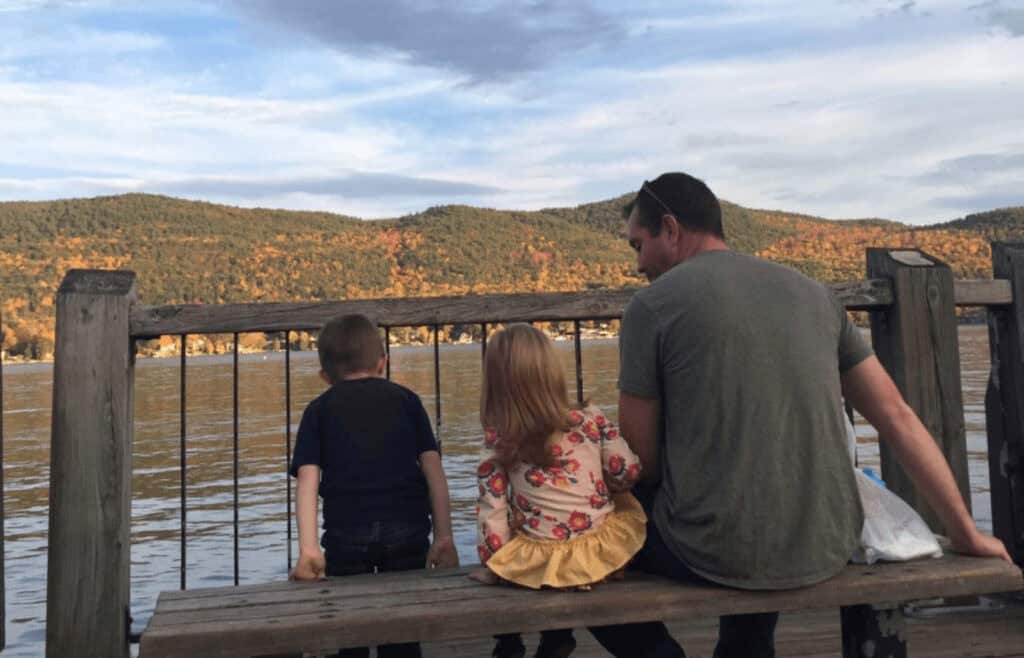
(311, 565)
(868, 387)
(639, 420)
(442, 551)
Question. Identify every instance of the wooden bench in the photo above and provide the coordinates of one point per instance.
(285, 618)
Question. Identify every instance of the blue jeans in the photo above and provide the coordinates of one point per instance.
(373, 548)
(739, 636)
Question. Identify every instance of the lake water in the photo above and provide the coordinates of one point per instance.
(263, 517)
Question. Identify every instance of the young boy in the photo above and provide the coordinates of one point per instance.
(366, 447)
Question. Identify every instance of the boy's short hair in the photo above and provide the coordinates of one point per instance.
(347, 344)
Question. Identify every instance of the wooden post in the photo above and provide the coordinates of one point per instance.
(88, 590)
(1004, 402)
(873, 631)
(916, 340)
(3, 595)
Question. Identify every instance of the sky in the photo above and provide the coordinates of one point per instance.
(906, 110)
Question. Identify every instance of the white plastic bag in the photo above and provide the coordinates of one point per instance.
(893, 531)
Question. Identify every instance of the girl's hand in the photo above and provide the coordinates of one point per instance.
(311, 566)
(485, 576)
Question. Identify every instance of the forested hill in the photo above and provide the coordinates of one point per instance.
(187, 251)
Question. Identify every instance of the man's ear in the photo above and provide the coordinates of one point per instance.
(671, 224)
(382, 364)
(323, 376)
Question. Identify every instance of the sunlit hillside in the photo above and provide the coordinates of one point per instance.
(187, 251)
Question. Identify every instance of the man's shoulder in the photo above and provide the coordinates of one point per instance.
(733, 266)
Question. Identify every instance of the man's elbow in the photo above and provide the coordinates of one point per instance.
(899, 421)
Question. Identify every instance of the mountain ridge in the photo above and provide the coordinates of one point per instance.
(186, 251)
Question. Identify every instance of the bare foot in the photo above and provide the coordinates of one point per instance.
(485, 576)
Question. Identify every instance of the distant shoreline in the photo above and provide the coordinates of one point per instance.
(586, 335)
(161, 355)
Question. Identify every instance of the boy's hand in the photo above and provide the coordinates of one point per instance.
(442, 553)
(311, 566)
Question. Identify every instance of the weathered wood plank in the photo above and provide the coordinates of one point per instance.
(154, 321)
(198, 318)
(816, 634)
(386, 584)
(916, 340)
(389, 616)
(1004, 404)
(90, 467)
(982, 292)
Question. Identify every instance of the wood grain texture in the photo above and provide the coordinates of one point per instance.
(90, 467)
(998, 632)
(1004, 404)
(916, 340)
(154, 321)
(444, 605)
(982, 292)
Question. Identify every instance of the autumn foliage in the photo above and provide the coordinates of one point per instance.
(186, 251)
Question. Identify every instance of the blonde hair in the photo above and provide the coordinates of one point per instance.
(523, 398)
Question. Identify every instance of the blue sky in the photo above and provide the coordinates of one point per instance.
(375, 108)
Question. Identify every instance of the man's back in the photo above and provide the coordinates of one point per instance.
(757, 488)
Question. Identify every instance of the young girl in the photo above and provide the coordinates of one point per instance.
(546, 514)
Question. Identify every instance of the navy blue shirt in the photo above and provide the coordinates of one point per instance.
(366, 435)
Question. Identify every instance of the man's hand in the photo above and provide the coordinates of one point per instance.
(871, 391)
(980, 545)
(311, 566)
(639, 420)
(616, 486)
(442, 553)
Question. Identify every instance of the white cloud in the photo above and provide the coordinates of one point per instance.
(843, 131)
(840, 132)
(485, 40)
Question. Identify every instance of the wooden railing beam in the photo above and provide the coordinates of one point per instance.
(982, 292)
(152, 321)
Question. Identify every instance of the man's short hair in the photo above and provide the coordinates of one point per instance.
(684, 197)
(348, 344)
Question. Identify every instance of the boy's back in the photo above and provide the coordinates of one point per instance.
(365, 446)
(367, 436)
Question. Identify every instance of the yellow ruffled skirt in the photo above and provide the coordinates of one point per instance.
(582, 560)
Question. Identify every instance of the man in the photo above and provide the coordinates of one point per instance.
(732, 375)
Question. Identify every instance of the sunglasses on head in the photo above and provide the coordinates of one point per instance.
(646, 187)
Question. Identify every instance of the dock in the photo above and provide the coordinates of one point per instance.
(994, 632)
(911, 299)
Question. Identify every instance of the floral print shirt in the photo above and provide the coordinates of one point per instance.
(562, 501)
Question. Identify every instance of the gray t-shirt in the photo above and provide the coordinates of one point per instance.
(757, 488)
